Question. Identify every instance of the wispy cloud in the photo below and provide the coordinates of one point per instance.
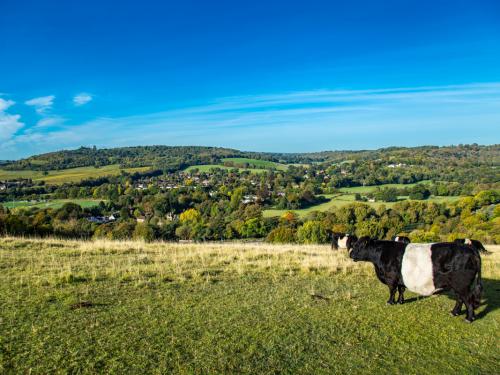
(9, 124)
(49, 121)
(42, 104)
(82, 98)
(300, 121)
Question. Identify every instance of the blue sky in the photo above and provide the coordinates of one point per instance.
(287, 76)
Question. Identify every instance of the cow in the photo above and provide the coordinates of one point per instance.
(425, 269)
(471, 243)
(343, 240)
(401, 239)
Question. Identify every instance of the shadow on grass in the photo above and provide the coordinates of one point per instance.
(490, 298)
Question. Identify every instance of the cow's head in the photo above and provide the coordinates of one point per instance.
(351, 240)
(360, 250)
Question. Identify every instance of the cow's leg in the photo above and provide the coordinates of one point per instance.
(401, 290)
(458, 307)
(469, 305)
(392, 294)
(461, 286)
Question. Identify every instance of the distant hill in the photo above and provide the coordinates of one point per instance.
(451, 159)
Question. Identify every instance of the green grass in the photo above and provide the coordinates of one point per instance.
(257, 163)
(369, 189)
(69, 175)
(208, 167)
(133, 308)
(55, 203)
(340, 200)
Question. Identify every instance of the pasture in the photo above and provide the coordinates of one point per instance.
(340, 200)
(54, 203)
(58, 177)
(136, 308)
(372, 188)
(207, 167)
(257, 163)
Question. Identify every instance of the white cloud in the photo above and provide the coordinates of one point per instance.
(49, 121)
(82, 99)
(5, 104)
(42, 104)
(9, 124)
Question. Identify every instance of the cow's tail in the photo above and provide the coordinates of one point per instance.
(478, 288)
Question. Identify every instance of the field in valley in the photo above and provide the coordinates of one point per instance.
(131, 307)
(62, 176)
(347, 196)
(54, 203)
(208, 167)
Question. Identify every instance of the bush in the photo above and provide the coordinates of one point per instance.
(144, 232)
(312, 232)
(282, 235)
(423, 236)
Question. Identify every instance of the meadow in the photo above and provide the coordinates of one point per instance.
(137, 308)
(54, 203)
(207, 167)
(345, 198)
(257, 163)
(58, 177)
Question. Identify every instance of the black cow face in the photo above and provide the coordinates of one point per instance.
(360, 251)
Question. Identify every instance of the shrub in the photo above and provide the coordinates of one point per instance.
(282, 235)
(312, 232)
(144, 232)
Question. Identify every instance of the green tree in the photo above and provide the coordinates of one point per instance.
(312, 232)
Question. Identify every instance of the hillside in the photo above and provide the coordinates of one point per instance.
(179, 157)
(131, 307)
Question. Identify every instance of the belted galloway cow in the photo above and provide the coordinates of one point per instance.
(425, 269)
(401, 239)
(471, 243)
(343, 241)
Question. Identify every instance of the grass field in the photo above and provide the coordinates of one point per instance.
(208, 167)
(69, 175)
(340, 200)
(257, 163)
(369, 189)
(347, 196)
(55, 203)
(135, 308)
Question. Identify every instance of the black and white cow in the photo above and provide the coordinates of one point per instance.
(343, 240)
(401, 239)
(425, 269)
(475, 244)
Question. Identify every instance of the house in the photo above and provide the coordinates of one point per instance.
(171, 216)
(140, 219)
(398, 165)
(249, 199)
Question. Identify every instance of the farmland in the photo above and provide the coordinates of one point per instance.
(256, 163)
(55, 203)
(347, 196)
(251, 165)
(208, 167)
(57, 177)
(131, 307)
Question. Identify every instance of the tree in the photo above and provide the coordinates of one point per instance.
(143, 231)
(282, 234)
(312, 232)
(190, 216)
(419, 192)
